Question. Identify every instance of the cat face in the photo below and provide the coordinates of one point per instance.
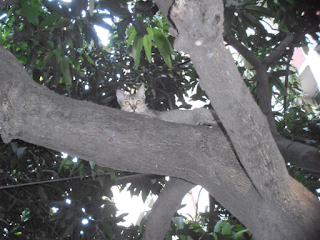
(132, 102)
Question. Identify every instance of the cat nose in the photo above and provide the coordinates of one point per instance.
(134, 107)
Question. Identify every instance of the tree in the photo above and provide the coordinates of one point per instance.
(254, 184)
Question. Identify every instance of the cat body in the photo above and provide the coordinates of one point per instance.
(136, 103)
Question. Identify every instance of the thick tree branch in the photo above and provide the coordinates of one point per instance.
(169, 200)
(113, 138)
(296, 153)
(299, 154)
(263, 85)
(195, 153)
(248, 118)
(65, 122)
(248, 129)
(261, 67)
(8, 2)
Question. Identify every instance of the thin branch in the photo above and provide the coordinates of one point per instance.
(197, 204)
(120, 180)
(286, 80)
(248, 55)
(278, 51)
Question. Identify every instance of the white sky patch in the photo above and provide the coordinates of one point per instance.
(313, 59)
(85, 221)
(54, 209)
(134, 206)
(103, 34)
(136, 209)
(3, 15)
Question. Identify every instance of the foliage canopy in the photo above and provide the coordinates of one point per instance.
(58, 44)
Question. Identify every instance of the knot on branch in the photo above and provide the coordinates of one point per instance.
(197, 22)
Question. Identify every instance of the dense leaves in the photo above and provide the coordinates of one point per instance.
(261, 26)
(42, 195)
(58, 44)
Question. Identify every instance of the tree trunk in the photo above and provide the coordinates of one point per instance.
(282, 210)
(258, 190)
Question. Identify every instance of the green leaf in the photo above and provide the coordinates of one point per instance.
(50, 20)
(2, 39)
(253, 21)
(64, 64)
(139, 26)
(164, 46)
(179, 222)
(281, 73)
(301, 176)
(122, 26)
(90, 59)
(150, 32)
(132, 35)
(217, 226)
(240, 233)
(65, 163)
(108, 228)
(30, 12)
(226, 229)
(43, 195)
(75, 165)
(70, 228)
(147, 46)
(57, 53)
(47, 58)
(279, 85)
(260, 10)
(136, 50)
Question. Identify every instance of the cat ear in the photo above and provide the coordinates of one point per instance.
(140, 92)
(120, 95)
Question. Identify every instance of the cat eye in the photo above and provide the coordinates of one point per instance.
(138, 102)
(127, 103)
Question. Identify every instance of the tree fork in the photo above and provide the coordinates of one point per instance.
(200, 26)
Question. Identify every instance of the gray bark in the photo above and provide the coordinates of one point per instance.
(199, 24)
(258, 190)
(120, 140)
(159, 219)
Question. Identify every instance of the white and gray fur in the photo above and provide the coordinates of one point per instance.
(136, 103)
(132, 102)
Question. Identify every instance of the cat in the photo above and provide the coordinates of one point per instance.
(136, 103)
(132, 102)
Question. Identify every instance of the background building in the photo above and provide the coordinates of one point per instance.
(307, 61)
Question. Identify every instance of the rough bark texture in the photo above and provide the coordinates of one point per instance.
(296, 153)
(114, 138)
(167, 204)
(199, 24)
(261, 67)
(258, 191)
(299, 154)
(8, 2)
